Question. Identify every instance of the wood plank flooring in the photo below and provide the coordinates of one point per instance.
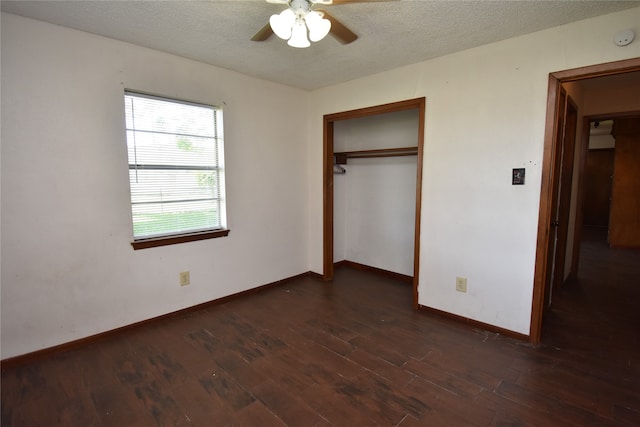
(352, 353)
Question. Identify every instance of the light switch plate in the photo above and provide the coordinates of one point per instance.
(517, 177)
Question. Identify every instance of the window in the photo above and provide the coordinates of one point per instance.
(175, 170)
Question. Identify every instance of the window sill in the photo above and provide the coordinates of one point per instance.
(153, 242)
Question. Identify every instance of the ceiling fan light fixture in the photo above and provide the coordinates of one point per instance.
(299, 35)
(299, 18)
(318, 26)
(282, 24)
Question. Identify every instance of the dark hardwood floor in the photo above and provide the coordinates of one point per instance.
(351, 353)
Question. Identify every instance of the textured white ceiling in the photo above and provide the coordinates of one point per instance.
(391, 34)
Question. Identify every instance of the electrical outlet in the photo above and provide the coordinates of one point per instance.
(184, 278)
(461, 284)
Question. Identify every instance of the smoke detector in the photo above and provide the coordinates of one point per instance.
(624, 38)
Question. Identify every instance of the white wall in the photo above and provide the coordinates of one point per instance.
(600, 137)
(599, 142)
(68, 269)
(374, 202)
(485, 115)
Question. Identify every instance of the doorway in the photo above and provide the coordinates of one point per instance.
(551, 180)
(328, 178)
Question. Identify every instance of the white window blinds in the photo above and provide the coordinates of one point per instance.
(175, 166)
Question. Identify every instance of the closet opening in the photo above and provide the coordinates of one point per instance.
(379, 150)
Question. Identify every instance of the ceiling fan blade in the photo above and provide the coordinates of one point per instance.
(264, 33)
(339, 31)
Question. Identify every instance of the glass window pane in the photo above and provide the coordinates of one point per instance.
(163, 219)
(174, 169)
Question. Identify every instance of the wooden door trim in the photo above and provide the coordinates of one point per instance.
(556, 79)
(327, 204)
(554, 195)
(577, 232)
(566, 183)
(327, 132)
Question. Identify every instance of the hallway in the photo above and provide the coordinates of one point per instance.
(595, 320)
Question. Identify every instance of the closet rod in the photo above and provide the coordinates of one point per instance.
(341, 157)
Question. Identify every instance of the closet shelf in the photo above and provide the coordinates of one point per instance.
(341, 157)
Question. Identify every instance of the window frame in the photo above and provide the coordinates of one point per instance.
(186, 236)
(152, 242)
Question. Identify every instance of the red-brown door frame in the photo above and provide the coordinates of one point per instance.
(328, 121)
(545, 215)
(569, 135)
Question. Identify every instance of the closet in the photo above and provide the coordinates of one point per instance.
(372, 188)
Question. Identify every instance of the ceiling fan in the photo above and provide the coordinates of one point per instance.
(300, 22)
